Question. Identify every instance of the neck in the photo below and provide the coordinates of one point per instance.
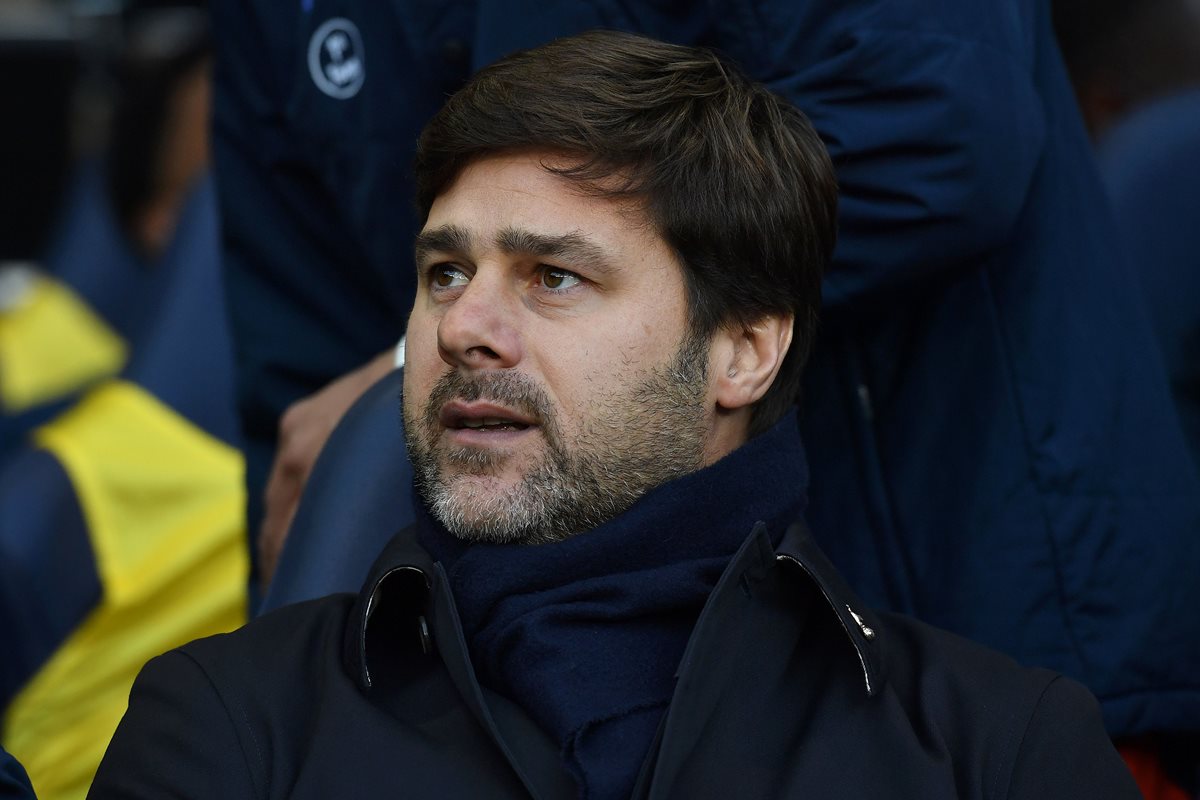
(729, 431)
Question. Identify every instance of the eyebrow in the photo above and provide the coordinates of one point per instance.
(574, 247)
(445, 239)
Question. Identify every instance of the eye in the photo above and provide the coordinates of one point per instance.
(559, 279)
(447, 276)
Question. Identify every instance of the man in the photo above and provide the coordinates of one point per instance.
(609, 592)
(992, 444)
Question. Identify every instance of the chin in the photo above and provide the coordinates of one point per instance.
(492, 510)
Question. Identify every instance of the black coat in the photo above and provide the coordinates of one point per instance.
(788, 688)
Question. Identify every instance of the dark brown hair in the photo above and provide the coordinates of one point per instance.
(733, 177)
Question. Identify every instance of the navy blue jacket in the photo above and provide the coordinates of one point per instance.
(788, 688)
(992, 444)
(1150, 163)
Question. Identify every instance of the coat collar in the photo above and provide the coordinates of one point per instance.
(799, 549)
(400, 583)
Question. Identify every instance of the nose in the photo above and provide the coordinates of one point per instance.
(479, 330)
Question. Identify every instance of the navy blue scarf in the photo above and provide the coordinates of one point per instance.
(586, 634)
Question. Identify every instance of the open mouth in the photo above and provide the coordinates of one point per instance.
(491, 424)
(483, 417)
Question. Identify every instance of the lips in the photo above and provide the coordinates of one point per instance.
(484, 417)
(493, 423)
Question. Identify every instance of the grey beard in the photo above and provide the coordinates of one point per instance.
(631, 443)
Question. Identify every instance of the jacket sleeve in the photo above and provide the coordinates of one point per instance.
(177, 739)
(931, 115)
(1065, 752)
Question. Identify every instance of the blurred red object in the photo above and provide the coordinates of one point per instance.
(1145, 762)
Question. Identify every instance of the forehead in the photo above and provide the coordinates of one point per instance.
(516, 192)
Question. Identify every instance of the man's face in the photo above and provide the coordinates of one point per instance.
(550, 377)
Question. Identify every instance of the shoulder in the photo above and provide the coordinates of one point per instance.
(915, 652)
(1019, 732)
(976, 700)
(219, 716)
(309, 628)
(259, 669)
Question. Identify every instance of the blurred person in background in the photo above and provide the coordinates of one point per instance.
(1135, 66)
(50, 342)
(73, 306)
(121, 530)
(1136, 70)
(1124, 54)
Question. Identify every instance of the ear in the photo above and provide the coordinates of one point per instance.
(747, 359)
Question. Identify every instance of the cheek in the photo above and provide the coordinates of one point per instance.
(422, 364)
(596, 356)
(589, 374)
(420, 337)
(414, 392)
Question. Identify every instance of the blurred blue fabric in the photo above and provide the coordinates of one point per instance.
(358, 496)
(1150, 163)
(91, 254)
(14, 783)
(48, 580)
(184, 354)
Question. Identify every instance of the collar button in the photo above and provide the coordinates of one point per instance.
(426, 639)
(867, 631)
